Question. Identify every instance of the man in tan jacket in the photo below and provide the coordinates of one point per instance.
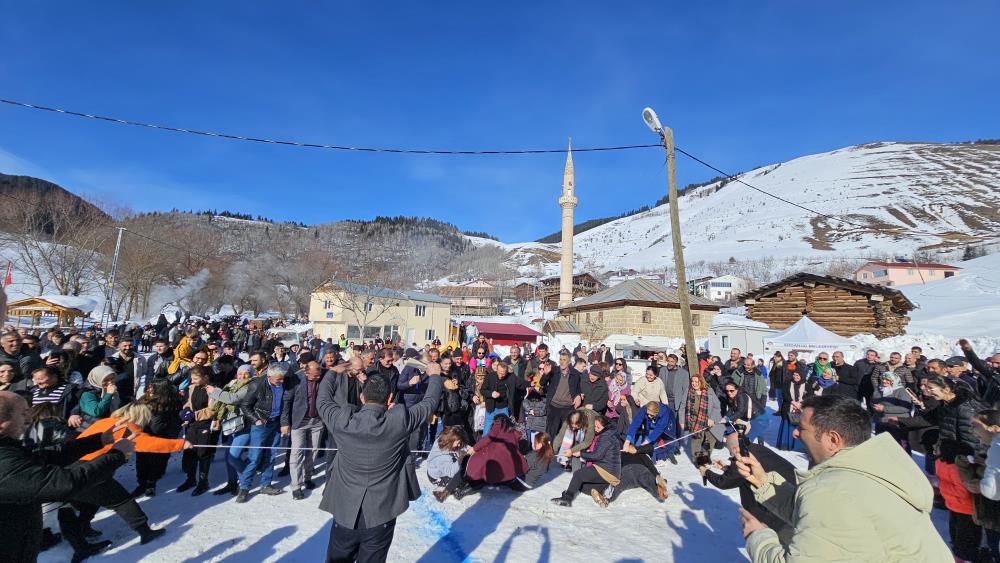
(863, 499)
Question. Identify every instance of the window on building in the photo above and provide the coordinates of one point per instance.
(369, 306)
(421, 310)
(880, 273)
(725, 342)
(326, 304)
(600, 316)
(931, 272)
(588, 318)
(389, 331)
(647, 317)
(696, 320)
(353, 331)
(372, 332)
(429, 334)
(864, 275)
(909, 271)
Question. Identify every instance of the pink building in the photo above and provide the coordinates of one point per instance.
(903, 273)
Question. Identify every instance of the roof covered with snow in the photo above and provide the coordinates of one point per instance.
(82, 304)
(639, 291)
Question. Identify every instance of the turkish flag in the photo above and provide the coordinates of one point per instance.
(9, 279)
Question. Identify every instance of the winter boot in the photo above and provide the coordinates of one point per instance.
(147, 534)
(599, 498)
(270, 490)
(242, 496)
(89, 550)
(231, 488)
(49, 539)
(565, 500)
(202, 485)
(69, 523)
(187, 484)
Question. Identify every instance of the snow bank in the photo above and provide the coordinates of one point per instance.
(726, 319)
(961, 306)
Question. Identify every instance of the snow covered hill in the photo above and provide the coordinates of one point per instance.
(967, 304)
(893, 189)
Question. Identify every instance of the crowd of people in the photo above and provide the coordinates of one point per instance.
(478, 418)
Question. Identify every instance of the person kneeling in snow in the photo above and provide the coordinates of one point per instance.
(603, 459)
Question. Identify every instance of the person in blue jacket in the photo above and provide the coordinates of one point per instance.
(653, 421)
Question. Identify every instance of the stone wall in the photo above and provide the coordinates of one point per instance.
(639, 321)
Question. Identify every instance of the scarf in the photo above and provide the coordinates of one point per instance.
(819, 367)
(696, 412)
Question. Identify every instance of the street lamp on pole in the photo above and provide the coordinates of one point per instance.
(667, 138)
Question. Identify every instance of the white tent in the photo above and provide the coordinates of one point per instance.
(807, 339)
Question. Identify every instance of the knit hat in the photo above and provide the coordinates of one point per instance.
(96, 376)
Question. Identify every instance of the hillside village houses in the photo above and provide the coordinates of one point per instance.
(474, 297)
(339, 307)
(723, 288)
(903, 273)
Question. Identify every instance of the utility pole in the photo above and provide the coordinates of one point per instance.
(111, 280)
(667, 138)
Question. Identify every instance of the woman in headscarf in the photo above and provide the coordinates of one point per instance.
(619, 385)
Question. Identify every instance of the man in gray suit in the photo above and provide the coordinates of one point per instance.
(372, 480)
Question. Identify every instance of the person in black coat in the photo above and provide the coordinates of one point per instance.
(199, 430)
(161, 396)
(594, 390)
(28, 479)
(865, 367)
(503, 393)
(384, 368)
(730, 478)
(847, 375)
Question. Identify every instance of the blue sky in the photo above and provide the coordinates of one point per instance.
(743, 84)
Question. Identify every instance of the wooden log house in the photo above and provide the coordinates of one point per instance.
(844, 306)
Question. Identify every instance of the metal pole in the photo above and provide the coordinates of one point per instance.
(675, 235)
(106, 312)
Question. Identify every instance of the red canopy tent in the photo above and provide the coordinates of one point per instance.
(507, 334)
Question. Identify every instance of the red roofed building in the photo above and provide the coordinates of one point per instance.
(504, 334)
(903, 273)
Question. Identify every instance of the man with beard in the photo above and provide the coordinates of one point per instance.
(676, 381)
(841, 508)
(734, 363)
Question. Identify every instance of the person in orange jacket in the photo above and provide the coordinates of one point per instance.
(110, 493)
(132, 418)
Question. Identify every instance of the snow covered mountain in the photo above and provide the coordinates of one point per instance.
(897, 198)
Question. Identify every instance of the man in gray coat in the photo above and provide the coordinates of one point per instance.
(372, 479)
(676, 382)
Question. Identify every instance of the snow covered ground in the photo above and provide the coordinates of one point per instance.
(696, 523)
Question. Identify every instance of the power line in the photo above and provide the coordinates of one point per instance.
(727, 175)
(736, 178)
(318, 145)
